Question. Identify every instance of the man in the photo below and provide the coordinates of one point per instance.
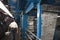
(7, 21)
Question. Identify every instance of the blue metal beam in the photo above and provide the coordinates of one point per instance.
(30, 6)
(54, 37)
(22, 4)
(14, 5)
(51, 2)
(34, 1)
(39, 11)
(55, 3)
(24, 26)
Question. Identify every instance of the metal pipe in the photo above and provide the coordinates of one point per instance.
(28, 36)
(24, 25)
(58, 16)
(33, 35)
(54, 11)
(39, 12)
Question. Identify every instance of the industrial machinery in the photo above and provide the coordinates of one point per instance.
(28, 15)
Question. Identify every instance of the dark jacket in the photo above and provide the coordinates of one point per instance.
(5, 20)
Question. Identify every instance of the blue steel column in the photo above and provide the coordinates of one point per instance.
(39, 11)
(14, 8)
(24, 25)
(54, 37)
(14, 5)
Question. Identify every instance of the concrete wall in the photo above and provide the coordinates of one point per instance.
(48, 25)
